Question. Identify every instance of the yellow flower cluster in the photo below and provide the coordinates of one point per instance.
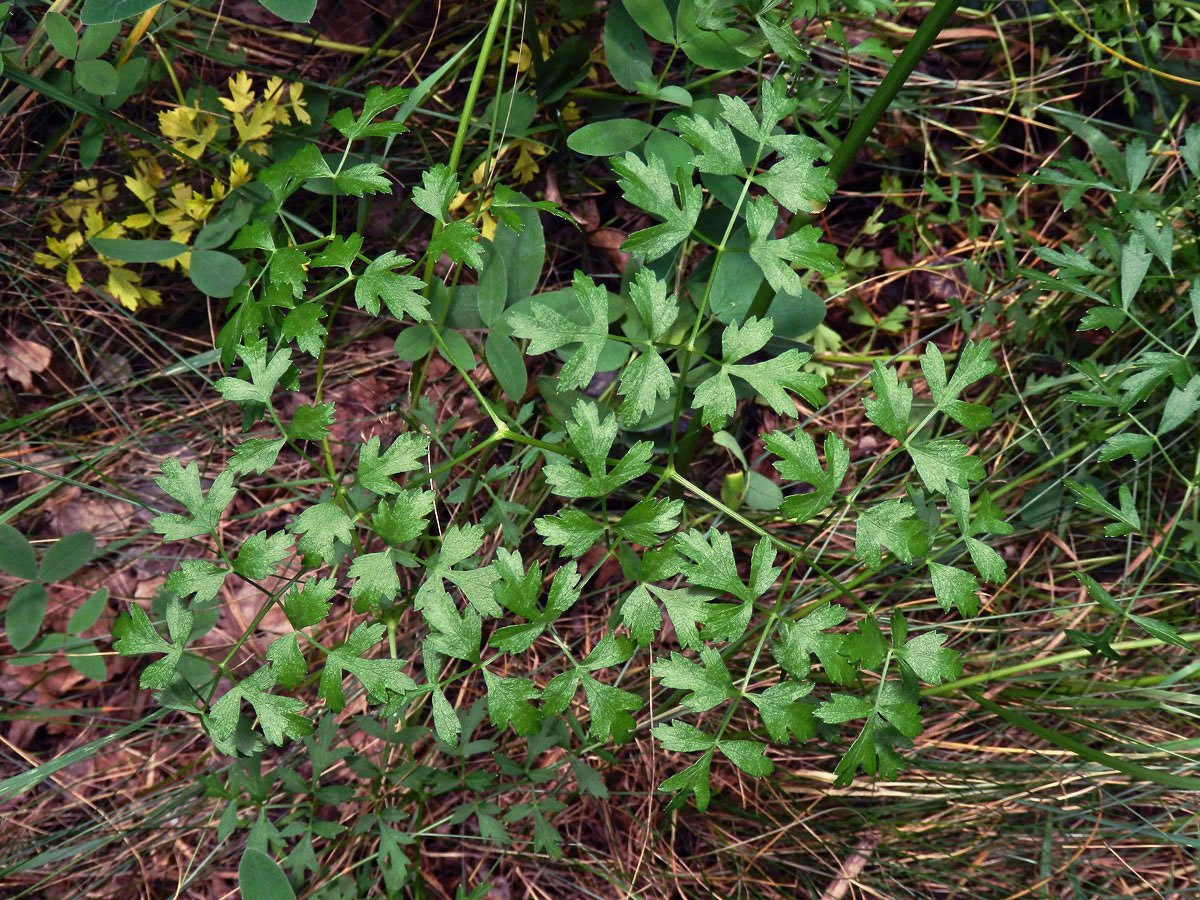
(170, 207)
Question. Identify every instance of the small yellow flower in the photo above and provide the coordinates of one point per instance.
(138, 221)
(145, 180)
(595, 58)
(251, 131)
(487, 223)
(521, 57)
(273, 98)
(73, 209)
(190, 203)
(95, 192)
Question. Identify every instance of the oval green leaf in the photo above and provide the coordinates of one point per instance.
(130, 77)
(23, 618)
(223, 226)
(87, 661)
(96, 39)
(414, 342)
(492, 292)
(130, 251)
(513, 112)
(673, 93)
(761, 492)
(40, 652)
(507, 364)
(625, 50)
(96, 12)
(718, 50)
(457, 351)
(215, 273)
(796, 316)
(291, 10)
(86, 615)
(260, 878)
(97, 76)
(62, 34)
(608, 138)
(66, 556)
(524, 253)
(567, 66)
(16, 554)
(675, 151)
(91, 142)
(653, 17)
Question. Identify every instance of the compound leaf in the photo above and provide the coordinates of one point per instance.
(322, 525)
(260, 555)
(777, 256)
(378, 100)
(380, 677)
(929, 660)
(798, 462)
(593, 438)
(886, 525)
(780, 712)
(945, 460)
(398, 292)
(649, 186)
(954, 587)
(256, 454)
(547, 329)
(277, 716)
(404, 454)
(892, 403)
(183, 484)
(508, 702)
(707, 682)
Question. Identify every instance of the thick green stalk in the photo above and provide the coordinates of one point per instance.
(485, 51)
(860, 129)
(460, 139)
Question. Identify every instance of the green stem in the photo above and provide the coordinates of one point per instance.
(464, 120)
(862, 127)
(460, 139)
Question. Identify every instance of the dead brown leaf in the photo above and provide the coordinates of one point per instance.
(610, 240)
(20, 360)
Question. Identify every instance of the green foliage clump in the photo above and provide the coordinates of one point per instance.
(811, 668)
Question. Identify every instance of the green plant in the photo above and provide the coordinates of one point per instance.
(25, 613)
(578, 574)
(472, 614)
